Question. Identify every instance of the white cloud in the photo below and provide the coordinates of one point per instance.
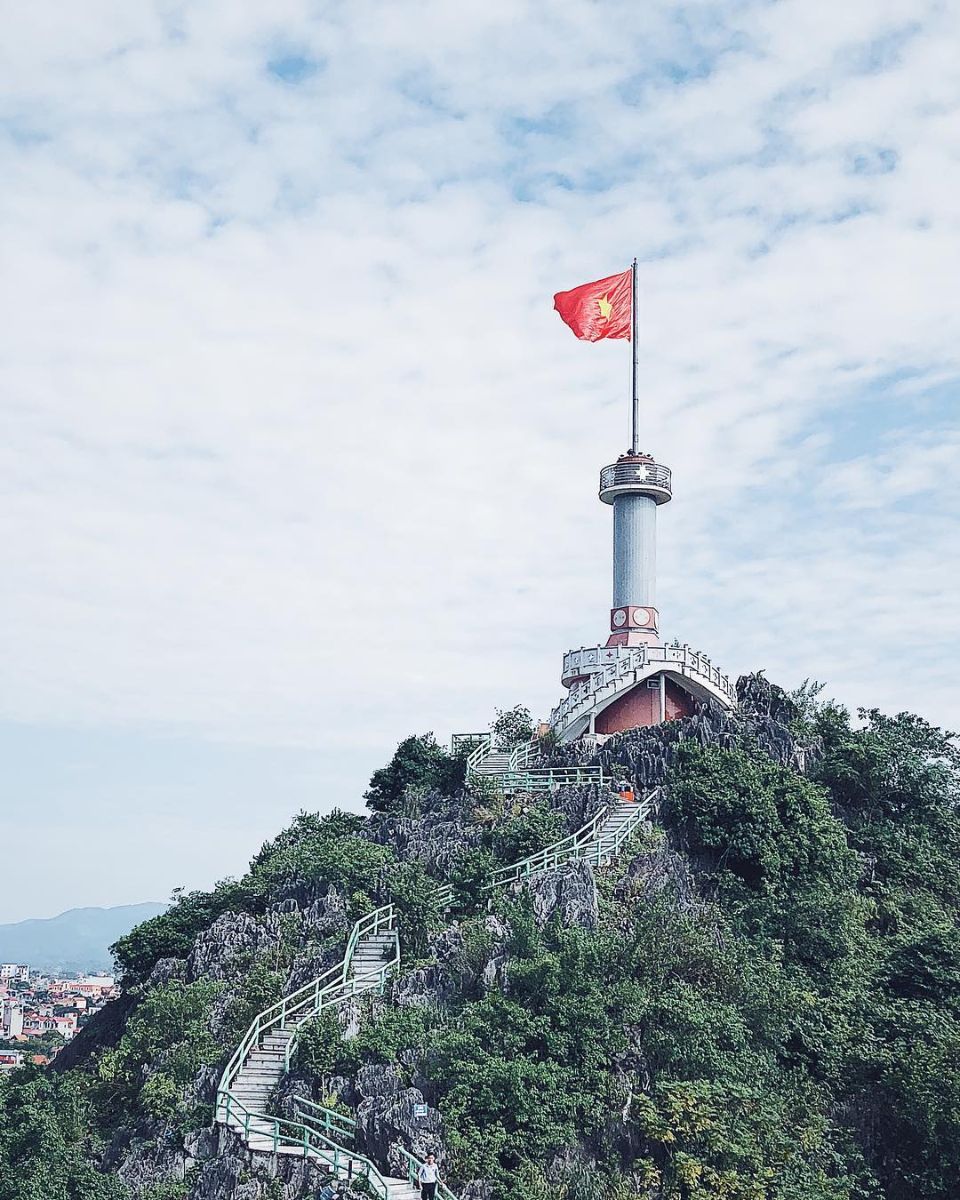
(297, 452)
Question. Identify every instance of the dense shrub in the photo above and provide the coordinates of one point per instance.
(46, 1142)
(418, 762)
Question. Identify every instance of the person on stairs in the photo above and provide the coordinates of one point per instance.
(627, 794)
(427, 1177)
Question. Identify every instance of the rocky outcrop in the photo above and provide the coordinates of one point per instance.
(658, 871)
(568, 893)
(388, 1121)
(766, 716)
(436, 837)
(577, 805)
(225, 951)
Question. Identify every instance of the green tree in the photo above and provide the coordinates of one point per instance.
(45, 1140)
(418, 763)
(512, 727)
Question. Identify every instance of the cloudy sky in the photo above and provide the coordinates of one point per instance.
(297, 458)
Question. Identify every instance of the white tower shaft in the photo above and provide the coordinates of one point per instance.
(634, 550)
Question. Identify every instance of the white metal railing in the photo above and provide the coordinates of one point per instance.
(632, 471)
(620, 674)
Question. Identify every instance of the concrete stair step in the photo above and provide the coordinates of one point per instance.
(400, 1189)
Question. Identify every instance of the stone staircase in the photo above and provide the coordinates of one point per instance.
(494, 762)
(597, 842)
(513, 771)
(248, 1084)
(619, 821)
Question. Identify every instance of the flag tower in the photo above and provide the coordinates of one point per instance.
(632, 679)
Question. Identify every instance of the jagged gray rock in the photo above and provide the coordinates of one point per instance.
(569, 892)
(387, 1122)
(435, 834)
(657, 870)
(225, 951)
(166, 970)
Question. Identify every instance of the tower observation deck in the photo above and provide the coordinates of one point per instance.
(633, 678)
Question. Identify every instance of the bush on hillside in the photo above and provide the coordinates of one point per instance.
(418, 763)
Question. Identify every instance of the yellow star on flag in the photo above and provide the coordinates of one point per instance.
(606, 308)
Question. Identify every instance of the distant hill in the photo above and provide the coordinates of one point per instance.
(77, 940)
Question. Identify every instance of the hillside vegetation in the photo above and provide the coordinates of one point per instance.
(759, 1001)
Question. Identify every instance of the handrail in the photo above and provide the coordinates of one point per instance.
(550, 855)
(333, 981)
(380, 918)
(589, 842)
(330, 1116)
(329, 1152)
(413, 1172)
(545, 779)
(475, 740)
(620, 674)
(517, 774)
(333, 1122)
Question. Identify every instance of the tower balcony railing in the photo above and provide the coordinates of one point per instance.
(633, 475)
(619, 674)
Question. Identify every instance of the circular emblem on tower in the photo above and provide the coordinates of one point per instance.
(620, 618)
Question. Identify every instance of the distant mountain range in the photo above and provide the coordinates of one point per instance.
(77, 940)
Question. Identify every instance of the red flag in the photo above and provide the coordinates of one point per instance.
(598, 310)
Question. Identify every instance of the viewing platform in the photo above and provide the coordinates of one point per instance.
(600, 675)
(635, 474)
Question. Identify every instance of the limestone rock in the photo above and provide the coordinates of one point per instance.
(225, 950)
(570, 891)
(387, 1122)
(659, 870)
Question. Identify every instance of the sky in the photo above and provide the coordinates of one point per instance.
(297, 459)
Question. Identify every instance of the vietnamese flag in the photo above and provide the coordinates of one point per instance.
(598, 310)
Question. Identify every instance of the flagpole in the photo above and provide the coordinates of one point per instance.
(635, 442)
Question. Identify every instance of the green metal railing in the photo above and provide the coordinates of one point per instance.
(413, 1175)
(329, 1120)
(590, 842)
(334, 986)
(549, 779)
(307, 1142)
(471, 742)
(380, 920)
(519, 775)
(318, 1132)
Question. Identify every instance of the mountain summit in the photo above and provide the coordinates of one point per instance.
(712, 959)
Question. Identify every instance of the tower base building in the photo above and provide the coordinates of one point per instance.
(633, 678)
